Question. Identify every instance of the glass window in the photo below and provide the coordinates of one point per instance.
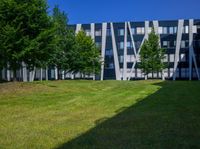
(87, 32)
(183, 57)
(129, 44)
(171, 30)
(98, 33)
(186, 29)
(160, 30)
(121, 45)
(194, 29)
(133, 30)
(140, 30)
(109, 52)
(121, 32)
(165, 43)
(171, 57)
(175, 30)
(98, 44)
(108, 32)
(182, 44)
(165, 30)
(111, 65)
(121, 58)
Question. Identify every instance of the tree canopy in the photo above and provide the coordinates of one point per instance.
(152, 55)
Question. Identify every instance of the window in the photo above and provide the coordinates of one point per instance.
(183, 57)
(121, 58)
(98, 33)
(111, 65)
(186, 30)
(194, 29)
(98, 44)
(160, 30)
(165, 43)
(121, 45)
(175, 30)
(129, 45)
(87, 32)
(109, 52)
(133, 30)
(183, 44)
(165, 30)
(108, 32)
(171, 30)
(171, 57)
(140, 30)
(121, 32)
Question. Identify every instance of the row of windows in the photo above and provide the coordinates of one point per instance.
(141, 31)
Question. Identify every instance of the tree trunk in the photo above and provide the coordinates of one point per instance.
(145, 76)
(41, 74)
(46, 71)
(163, 75)
(14, 75)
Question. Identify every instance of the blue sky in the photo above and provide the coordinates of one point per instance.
(88, 11)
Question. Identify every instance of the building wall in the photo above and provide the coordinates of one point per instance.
(120, 45)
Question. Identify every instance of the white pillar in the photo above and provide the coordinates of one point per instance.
(178, 46)
(8, 73)
(125, 53)
(103, 48)
(115, 54)
(41, 74)
(56, 73)
(24, 72)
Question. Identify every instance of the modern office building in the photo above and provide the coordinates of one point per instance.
(120, 45)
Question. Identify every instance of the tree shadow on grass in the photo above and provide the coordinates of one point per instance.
(167, 119)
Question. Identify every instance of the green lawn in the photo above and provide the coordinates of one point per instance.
(94, 114)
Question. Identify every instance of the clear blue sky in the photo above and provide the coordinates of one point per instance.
(88, 11)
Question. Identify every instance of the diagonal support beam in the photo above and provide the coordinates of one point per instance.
(156, 27)
(137, 55)
(115, 54)
(191, 51)
(178, 46)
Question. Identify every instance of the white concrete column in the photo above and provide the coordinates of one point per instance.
(125, 53)
(178, 46)
(24, 72)
(78, 28)
(46, 74)
(92, 27)
(8, 73)
(56, 73)
(103, 48)
(115, 54)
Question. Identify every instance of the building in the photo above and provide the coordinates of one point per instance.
(120, 45)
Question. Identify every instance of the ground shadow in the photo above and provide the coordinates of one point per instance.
(167, 119)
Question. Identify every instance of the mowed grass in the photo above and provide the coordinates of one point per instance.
(94, 114)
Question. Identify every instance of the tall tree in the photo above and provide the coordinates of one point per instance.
(64, 40)
(152, 55)
(25, 33)
(86, 54)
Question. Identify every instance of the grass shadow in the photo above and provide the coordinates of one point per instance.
(167, 119)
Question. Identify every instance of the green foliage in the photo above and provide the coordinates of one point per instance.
(152, 55)
(86, 54)
(25, 32)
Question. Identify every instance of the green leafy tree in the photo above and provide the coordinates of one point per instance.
(152, 55)
(25, 33)
(86, 55)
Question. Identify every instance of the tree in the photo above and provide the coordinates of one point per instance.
(86, 55)
(25, 33)
(152, 55)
